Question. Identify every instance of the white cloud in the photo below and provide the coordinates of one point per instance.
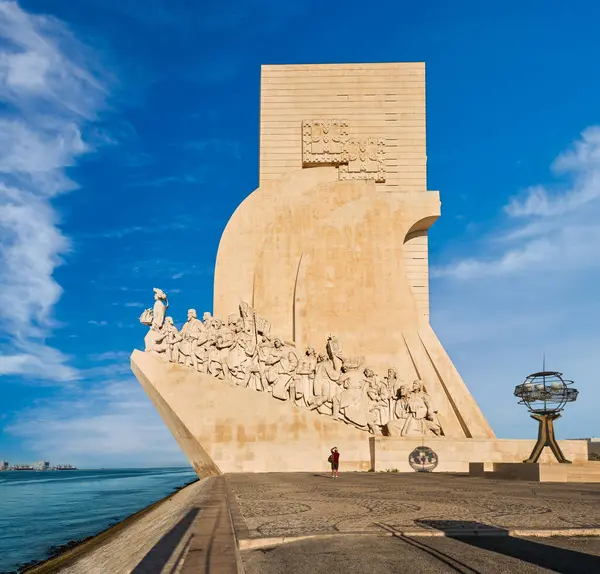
(113, 424)
(547, 229)
(527, 288)
(34, 362)
(47, 96)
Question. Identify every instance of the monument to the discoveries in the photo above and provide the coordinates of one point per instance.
(321, 334)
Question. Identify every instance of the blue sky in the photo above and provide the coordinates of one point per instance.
(129, 134)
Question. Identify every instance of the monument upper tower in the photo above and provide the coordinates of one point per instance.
(384, 101)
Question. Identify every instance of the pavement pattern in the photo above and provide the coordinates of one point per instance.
(291, 504)
(355, 524)
(366, 554)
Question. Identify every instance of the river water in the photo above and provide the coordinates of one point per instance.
(42, 510)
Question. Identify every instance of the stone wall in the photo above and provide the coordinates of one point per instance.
(455, 455)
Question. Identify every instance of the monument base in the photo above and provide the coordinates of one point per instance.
(538, 472)
(225, 428)
(456, 455)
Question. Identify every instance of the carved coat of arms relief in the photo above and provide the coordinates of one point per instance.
(327, 142)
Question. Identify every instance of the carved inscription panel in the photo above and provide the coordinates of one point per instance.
(327, 142)
(363, 158)
(322, 141)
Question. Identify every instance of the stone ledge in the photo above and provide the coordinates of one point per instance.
(537, 472)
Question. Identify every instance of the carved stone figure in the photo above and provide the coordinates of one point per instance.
(280, 364)
(237, 357)
(305, 378)
(334, 352)
(173, 339)
(327, 385)
(160, 309)
(252, 367)
(224, 341)
(393, 386)
(377, 392)
(243, 353)
(213, 355)
(190, 333)
(352, 404)
(155, 338)
(420, 420)
(395, 426)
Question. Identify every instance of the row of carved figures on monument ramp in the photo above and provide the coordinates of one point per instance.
(243, 352)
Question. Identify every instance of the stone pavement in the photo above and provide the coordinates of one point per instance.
(365, 554)
(360, 523)
(386, 522)
(292, 504)
(189, 533)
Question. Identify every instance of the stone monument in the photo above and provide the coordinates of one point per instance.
(321, 333)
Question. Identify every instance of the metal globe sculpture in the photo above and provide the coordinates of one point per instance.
(423, 459)
(545, 394)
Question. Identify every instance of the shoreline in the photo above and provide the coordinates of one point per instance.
(67, 553)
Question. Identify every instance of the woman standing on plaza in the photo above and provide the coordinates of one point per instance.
(334, 459)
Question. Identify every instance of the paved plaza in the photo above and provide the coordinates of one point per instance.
(377, 522)
(305, 503)
(360, 523)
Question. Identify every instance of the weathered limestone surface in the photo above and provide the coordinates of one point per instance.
(546, 471)
(456, 455)
(242, 430)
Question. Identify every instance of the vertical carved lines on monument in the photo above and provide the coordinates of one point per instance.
(435, 388)
(299, 301)
(462, 422)
(406, 368)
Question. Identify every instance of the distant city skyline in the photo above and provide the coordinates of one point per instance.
(130, 134)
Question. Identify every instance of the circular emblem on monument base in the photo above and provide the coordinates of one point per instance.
(423, 459)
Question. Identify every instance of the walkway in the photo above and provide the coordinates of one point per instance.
(360, 523)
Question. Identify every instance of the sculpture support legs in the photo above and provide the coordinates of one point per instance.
(546, 438)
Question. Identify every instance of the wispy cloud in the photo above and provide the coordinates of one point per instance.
(48, 95)
(111, 424)
(180, 179)
(110, 356)
(214, 146)
(547, 228)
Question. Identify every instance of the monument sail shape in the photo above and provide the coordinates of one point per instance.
(335, 239)
(321, 332)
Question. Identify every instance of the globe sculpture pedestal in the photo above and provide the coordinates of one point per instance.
(546, 394)
(546, 438)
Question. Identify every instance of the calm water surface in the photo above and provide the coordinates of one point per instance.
(39, 510)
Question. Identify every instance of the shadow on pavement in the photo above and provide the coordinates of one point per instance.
(162, 551)
(553, 558)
